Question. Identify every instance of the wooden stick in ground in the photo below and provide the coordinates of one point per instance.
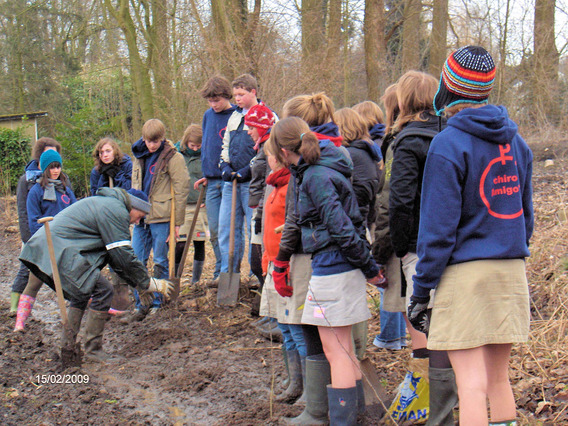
(172, 240)
(56, 279)
(190, 233)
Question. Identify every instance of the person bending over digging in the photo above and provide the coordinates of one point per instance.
(86, 237)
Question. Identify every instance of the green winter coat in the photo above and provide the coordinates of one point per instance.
(193, 164)
(87, 236)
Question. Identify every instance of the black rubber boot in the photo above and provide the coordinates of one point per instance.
(295, 387)
(443, 396)
(318, 376)
(361, 407)
(302, 400)
(96, 321)
(197, 271)
(342, 406)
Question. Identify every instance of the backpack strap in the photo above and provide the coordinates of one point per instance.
(413, 131)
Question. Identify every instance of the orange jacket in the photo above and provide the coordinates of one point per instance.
(274, 214)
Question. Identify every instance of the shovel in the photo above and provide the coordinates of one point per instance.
(70, 354)
(375, 393)
(229, 282)
(176, 280)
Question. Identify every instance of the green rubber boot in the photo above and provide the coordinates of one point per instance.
(14, 300)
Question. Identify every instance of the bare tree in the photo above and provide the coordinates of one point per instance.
(411, 30)
(375, 48)
(439, 36)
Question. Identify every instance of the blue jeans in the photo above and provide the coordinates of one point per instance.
(213, 196)
(152, 236)
(293, 338)
(242, 212)
(393, 327)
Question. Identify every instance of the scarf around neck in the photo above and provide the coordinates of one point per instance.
(49, 190)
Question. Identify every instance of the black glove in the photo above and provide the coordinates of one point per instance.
(257, 226)
(110, 170)
(418, 313)
(227, 175)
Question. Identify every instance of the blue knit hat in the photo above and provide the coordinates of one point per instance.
(139, 200)
(48, 157)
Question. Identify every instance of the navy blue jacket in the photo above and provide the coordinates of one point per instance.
(123, 178)
(479, 171)
(213, 126)
(37, 207)
(329, 217)
(377, 133)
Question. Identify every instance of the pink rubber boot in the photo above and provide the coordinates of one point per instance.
(25, 306)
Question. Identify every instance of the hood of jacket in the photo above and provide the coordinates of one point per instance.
(377, 131)
(32, 171)
(140, 150)
(118, 193)
(331, 157)
(367, 147)
(328, 131)
(490, 123)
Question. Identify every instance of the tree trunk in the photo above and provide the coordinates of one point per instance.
(438, 39)
(411, 32)
(333, 49)
(373, 28)
(545, 63)
(313, 43)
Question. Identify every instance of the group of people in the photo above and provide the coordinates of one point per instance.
(431, 202)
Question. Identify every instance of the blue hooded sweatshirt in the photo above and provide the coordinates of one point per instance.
(476, 195)
(140, 150)
(38, 207)
(330, 220)
(123, 178)
(214, 126)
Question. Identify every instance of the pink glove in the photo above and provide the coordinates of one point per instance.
(280, 277)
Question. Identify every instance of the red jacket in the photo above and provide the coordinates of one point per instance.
(274, 214)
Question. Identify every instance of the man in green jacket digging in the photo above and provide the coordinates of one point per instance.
(86, 237)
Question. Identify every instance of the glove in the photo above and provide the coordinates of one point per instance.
(227, 175)
(146, 298)
(418, 313)
(383, 281)
(164, 287)
(236, 176)
(257, 226)
(280, 277)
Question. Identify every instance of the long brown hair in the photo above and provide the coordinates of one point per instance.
(43, 143)
(415, 93)
(293, 134)
(44, 179)
(390, 102)
(193, 133)
(315, 109)
(118, 155)
(351, 126)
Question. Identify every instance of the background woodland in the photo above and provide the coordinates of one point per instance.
(103, 67)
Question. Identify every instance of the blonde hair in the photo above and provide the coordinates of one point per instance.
(315, 109)
(415, 93)
(153, 130)
(351, 126)
(293, 134)
(370, 112)
(193, 134)
(118, 155)
(454, 109)
(390, 102)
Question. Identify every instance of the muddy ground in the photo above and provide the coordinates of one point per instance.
(198, 364)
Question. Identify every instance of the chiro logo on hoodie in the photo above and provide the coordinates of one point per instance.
(499, 186)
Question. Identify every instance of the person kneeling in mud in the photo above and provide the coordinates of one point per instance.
(87, 236)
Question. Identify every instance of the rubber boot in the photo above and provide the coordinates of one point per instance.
(197, 270)
(96, 321)
(443, 396)
(14, 300)
(295, 388)
(286, 381)
(74, 317)
(302, 400)
(359, 337)
(361, 407)
(342, 406)
(318, 376)
(25, 305)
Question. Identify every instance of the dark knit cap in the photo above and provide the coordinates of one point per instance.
(467, 77)
(48, 157)
(139, 200)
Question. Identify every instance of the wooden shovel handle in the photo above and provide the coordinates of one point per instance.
(172, 240)
(56, 279)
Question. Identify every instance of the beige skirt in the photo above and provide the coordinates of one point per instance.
(201, 231)
(479, 303)
(337, 300)
(292, 307)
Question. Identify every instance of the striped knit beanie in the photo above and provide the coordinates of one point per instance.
(467, 77)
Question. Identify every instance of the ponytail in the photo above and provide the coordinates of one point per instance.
(316, 109)
(309, 149)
